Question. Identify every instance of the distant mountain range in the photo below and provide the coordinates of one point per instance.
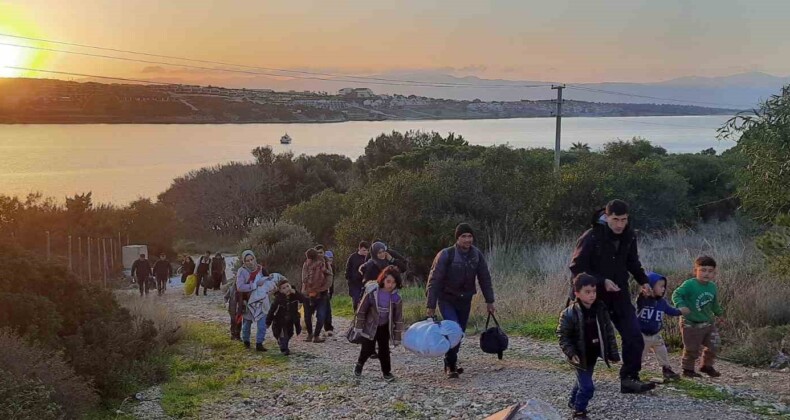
(739, 91)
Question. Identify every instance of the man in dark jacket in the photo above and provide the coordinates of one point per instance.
(217, 270)
(162, 272)
(451, 284)
(353, 276)
(202, 272)
(608, 251)
(141, 271)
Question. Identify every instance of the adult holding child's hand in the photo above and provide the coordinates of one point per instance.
(608, 251)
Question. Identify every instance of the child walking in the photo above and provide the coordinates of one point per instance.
(283, 312)
(585, 334)
(650, 312)
(698, 298)
(379, 319)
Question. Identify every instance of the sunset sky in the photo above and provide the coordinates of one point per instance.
(573, 41)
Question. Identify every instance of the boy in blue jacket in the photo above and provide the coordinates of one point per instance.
(650, 312)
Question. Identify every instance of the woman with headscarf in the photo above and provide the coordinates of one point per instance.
(250, 301)
(380, 258)
(187, 268)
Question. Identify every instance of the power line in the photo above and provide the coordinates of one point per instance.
(612, 92)
(362, 79)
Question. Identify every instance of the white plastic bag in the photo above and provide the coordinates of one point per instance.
(432, 339)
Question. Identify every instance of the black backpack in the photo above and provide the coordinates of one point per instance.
(493, 340)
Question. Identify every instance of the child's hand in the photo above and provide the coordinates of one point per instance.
(685, 311)
(575, 360)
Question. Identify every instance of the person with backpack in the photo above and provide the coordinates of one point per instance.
(162, 272)
(141, 271)
(451, 285)
(608, 251)
(315, 286)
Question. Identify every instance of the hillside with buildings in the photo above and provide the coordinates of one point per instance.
(56, 101)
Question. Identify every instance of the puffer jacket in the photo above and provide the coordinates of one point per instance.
(570, 331)
(367, 318)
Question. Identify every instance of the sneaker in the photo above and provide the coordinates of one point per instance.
(247, 344)
(635, 386)
(582, 415)
(358, 370)
(318, 339)
(460, 370)
(287, 353)
(689, 373)
(669, 374)
(710, 371)
(451, 373)
(259, 347)
(389, 377)
(309, 338)
(330, 333)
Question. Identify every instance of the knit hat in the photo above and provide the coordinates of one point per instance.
(463, 228)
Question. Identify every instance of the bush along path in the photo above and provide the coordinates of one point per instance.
(215, 378)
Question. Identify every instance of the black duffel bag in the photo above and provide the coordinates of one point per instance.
(493, 340)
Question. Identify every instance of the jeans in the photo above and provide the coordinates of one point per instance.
(328, 322)
(260, 334)
(584, 388)
(457, 311)
(623, 316)
(369, 347)
(318, 306)
(356, 296)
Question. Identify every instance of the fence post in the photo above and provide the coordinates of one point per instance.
(71, 266)
(104, 250)
(90, 277)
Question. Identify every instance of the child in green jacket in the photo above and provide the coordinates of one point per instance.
(697, 298)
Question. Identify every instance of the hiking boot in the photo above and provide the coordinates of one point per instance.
(259, 347)
(309, 338)
(710, 371)
(669, 374)
(358, 370)
(389, 377)
(582, 415)
(689, 373)
(247, 344)
(635, 386)
(318, 339)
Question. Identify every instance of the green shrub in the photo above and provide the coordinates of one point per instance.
(39, 383)
(278, 245)
(759, 346)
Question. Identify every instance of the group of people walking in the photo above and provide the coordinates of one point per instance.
(603, 261)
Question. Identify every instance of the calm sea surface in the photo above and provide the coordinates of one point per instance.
(119, 163)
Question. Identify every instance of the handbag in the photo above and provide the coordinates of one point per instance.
(493, 340)
(353, 336)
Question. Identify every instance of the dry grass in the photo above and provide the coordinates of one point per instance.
(168, 327)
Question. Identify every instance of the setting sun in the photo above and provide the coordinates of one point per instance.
(15, 23)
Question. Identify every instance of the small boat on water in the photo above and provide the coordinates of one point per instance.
(286, 139)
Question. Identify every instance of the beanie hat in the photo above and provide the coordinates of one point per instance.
(463, 228)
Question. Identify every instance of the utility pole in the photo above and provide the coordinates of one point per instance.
(559, 89)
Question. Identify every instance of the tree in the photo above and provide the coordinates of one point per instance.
(580, 147)
(632, 150)
(763, 139)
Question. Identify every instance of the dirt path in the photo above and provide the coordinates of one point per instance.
(317, 382)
